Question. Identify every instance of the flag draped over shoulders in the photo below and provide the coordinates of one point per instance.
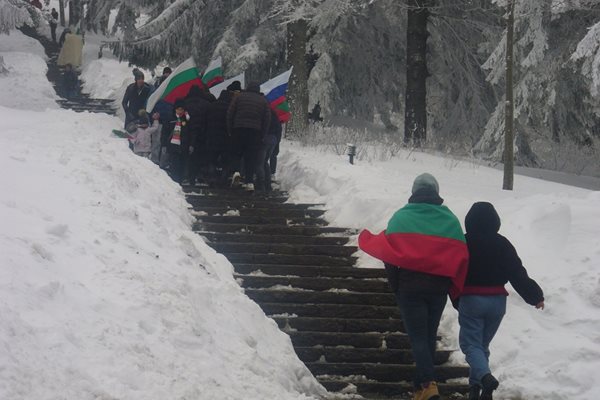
(424, 238)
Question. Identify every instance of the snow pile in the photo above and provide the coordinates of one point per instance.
(25, 85)
(536, 355)
(105, 290)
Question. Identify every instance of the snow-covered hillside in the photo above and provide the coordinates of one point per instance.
(105, 291)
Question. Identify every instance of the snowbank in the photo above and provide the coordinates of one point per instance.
(25, 86)
(553, 354)
(105, 292)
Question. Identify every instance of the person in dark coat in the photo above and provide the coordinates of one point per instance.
(196, 105)
(248, 120)
(53, 23)
(269, 142)
(165, 110)
(180, 141)
(165, 74)
(493, 261)
(135, 97)
(217, 140)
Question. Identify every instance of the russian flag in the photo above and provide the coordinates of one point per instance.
(274, 90)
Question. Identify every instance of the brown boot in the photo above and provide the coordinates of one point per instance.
(430, 392)
(418, 394)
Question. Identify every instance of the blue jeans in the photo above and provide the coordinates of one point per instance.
(421, 314)
(479, 318)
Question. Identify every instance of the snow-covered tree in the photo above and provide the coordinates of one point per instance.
(554, 106)
(13, 14)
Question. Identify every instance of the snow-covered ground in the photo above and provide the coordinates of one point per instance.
(105, 292)
(550, 354)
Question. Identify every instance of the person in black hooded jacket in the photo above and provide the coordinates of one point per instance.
(217, 140)
(493, 261)
(196, 105)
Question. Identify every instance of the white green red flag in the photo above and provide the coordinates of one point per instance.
(213, 74)
(177, 85)
(217, 89)
(275, 90)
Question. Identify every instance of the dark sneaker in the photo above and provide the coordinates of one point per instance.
(488, 384)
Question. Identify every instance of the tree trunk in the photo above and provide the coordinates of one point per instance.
(61, 11)
(75, 7)
(297, 33)
(509, 153)
(415, 113)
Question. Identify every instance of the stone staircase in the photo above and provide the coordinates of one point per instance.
(342, 320)
(80, 101)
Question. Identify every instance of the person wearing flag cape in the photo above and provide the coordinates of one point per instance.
(426, 258)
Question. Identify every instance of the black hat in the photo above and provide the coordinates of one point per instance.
(167, 70)
(235, 86)
(137, 74)
(179, 103)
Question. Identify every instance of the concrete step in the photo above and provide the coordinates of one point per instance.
(320, 284)
(320, 297)
(309, 271)
(329, 354)
(371, 390)
(296, 230)
(235, 195)
(250, 258)
(261, 220)
(198, 202)
(261, 212)
(82, 100)
(331, 310)
(371, 340)
(333, 324)
(383, 372)
(285, 248)
(215, 238)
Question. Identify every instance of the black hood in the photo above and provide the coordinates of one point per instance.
(482, 218)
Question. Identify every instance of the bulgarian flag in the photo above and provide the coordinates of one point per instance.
(213, 74)
(274, 90)
(177, 85)
(423, 238)
(217, 89)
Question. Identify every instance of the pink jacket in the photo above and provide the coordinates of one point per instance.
(142, 138)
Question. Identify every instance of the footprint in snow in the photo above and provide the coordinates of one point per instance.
(59, 230)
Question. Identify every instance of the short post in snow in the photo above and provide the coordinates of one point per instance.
(351, 152)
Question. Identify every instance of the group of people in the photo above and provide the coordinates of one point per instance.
(234, 138)
(427, 257)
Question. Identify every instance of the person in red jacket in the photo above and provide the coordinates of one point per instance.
(493, 261)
